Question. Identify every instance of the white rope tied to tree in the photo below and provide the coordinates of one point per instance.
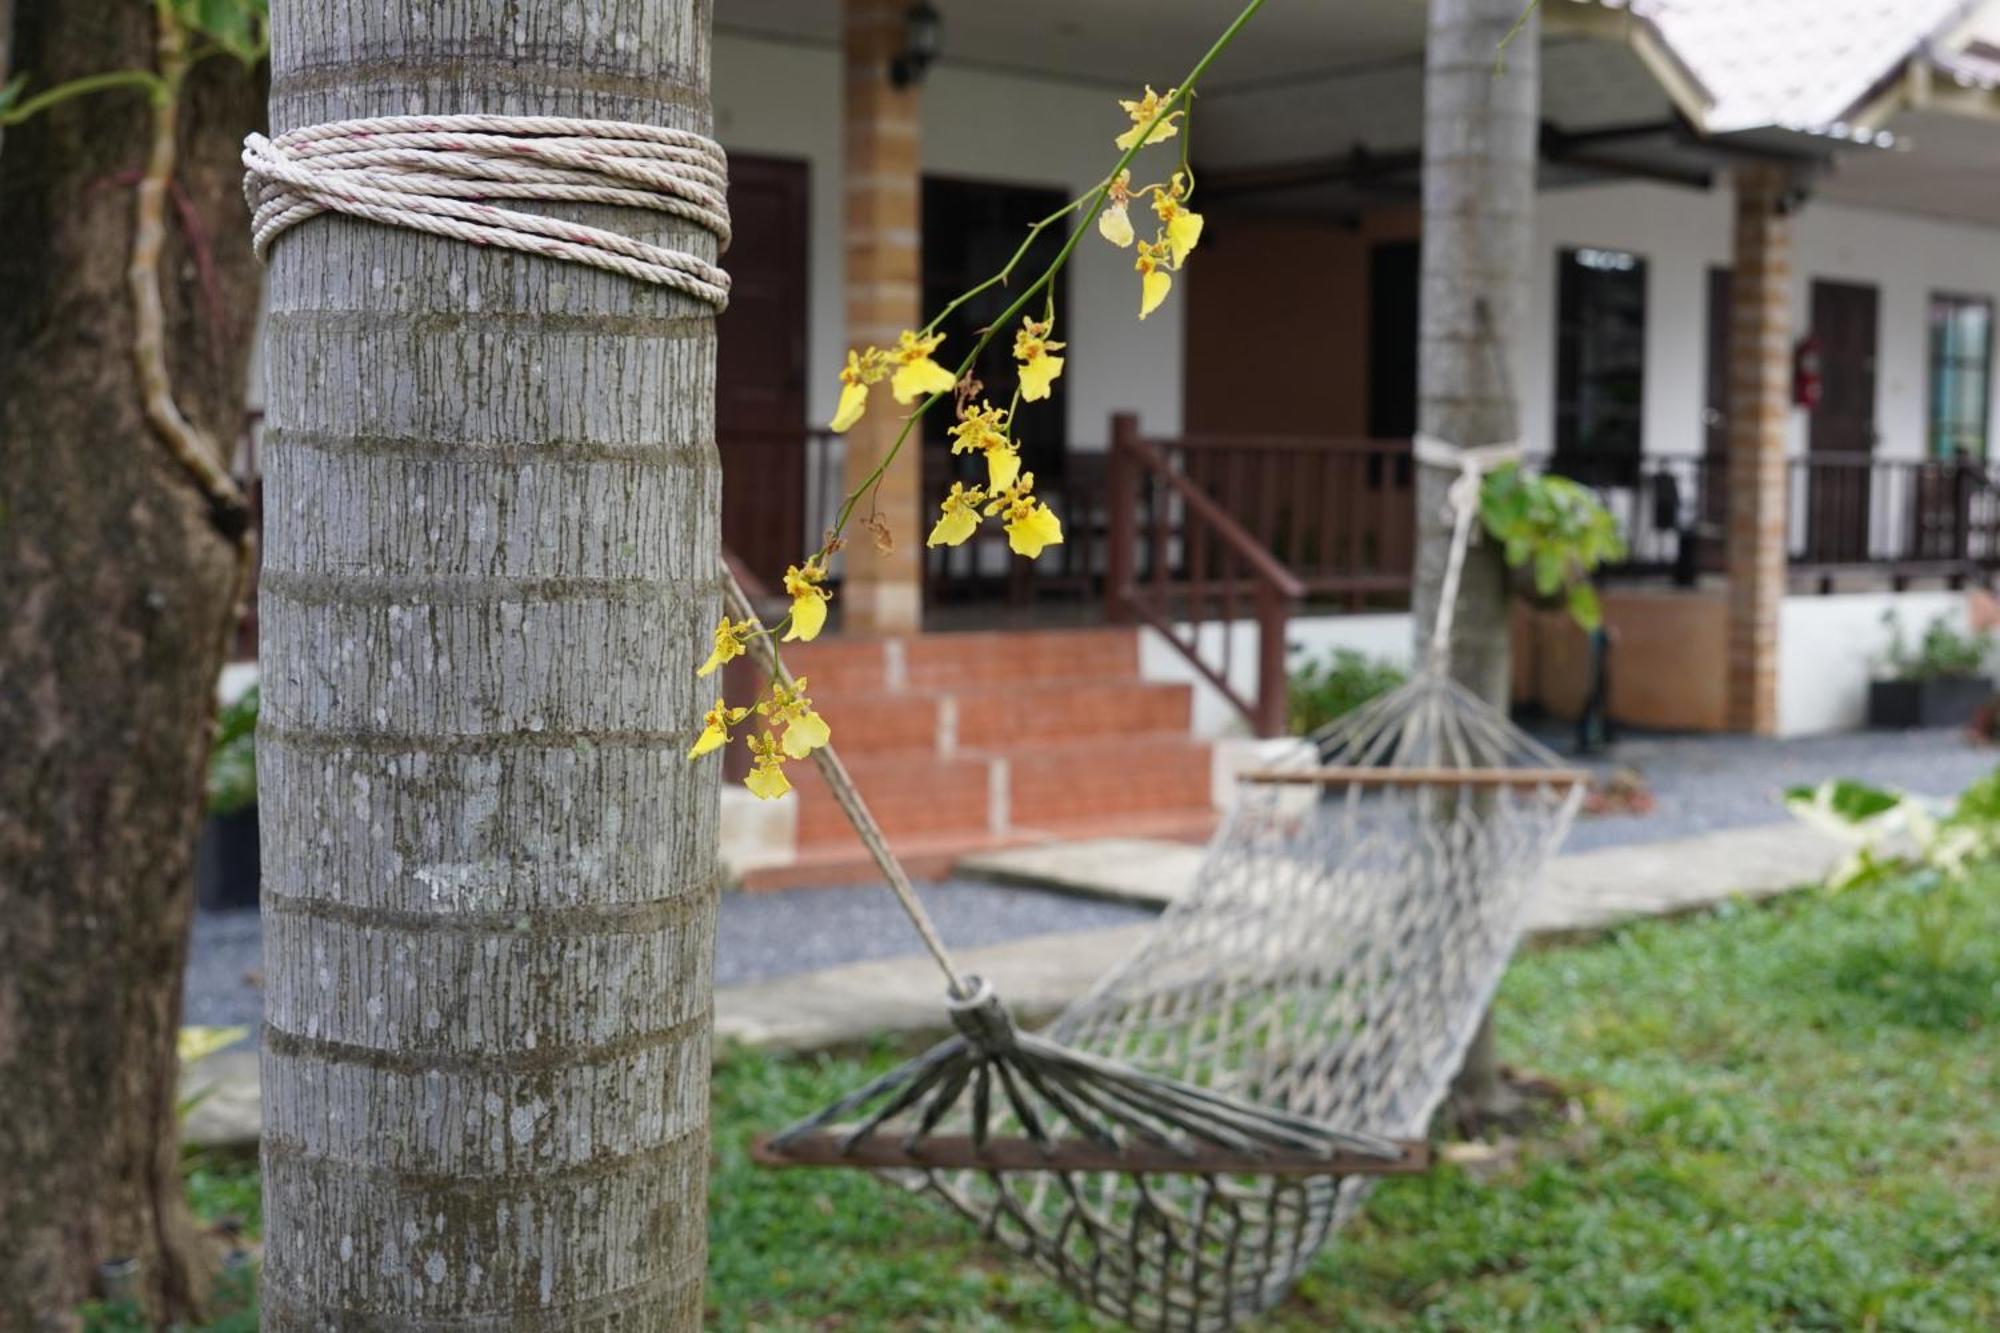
(438, 173)
(1473, 464)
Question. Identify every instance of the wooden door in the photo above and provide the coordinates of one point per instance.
(760, 367)
(1841, 436)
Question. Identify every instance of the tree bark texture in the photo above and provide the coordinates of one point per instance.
(1480, 133)
(491, 493)
(117, 598)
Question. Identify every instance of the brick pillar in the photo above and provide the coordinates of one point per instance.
(882, 593)
(1760, 381)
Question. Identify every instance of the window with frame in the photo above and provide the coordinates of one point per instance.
(1961, 356)
(1600, 362)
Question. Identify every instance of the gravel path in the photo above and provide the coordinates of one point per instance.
(1704, 783)
(1701, 784)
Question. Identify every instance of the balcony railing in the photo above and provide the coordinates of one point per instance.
(1845, 513)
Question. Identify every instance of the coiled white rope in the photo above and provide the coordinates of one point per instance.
(1473, 464)
(437, 173)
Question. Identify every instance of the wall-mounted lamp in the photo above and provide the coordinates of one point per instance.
(923, 32)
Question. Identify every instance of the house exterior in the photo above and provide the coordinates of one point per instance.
(1766, 258)
(1844, 152)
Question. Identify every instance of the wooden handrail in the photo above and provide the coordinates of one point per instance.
(1240, 542)
(1316, 444)
(1207, 532)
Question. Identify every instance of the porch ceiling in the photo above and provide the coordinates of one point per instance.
(1306, 81)
(1944, 165)
(1124, 43)
(1326, 99)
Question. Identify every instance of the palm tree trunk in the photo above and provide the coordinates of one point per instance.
(1480, 130)
(491, 569)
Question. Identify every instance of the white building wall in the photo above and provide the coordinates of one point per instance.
(1683, 233)
(1829, 648)
(783, 99)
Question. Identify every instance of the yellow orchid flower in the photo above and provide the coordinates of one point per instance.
(1031, 525)
(1034, 529)
(728, 644)
(979, 428)
(805, 730)
(1183, 227)
(863, 369)
(715, 732)
(917, 376)
(1003, 464)
(1039, 366)
(983, 429)
(1142, 112)
(1114, 224)
(808, 601)
(767, 780)
(1154, 281)
(806, 733)
(961, 515)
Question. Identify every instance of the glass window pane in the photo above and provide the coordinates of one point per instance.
(1960, 374)
(1600, 361)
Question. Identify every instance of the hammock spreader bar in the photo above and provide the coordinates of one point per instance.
(1071, 1110)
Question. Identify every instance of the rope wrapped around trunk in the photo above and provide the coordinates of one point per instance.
(439, 174)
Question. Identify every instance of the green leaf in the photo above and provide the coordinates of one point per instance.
(1584, 607)
(1845, 799)
(1980, 802)
(195, 1044)
(239, 27)
(1548, 571)
(10, 92)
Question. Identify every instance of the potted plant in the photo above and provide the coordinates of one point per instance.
(1941, 683)
(227, 857)
(1555, 534)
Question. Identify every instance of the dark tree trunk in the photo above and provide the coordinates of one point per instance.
(117, 597)
(1480, 126)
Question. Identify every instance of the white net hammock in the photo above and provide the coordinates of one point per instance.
(1331, 963)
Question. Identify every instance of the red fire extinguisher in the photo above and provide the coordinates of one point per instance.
(1807, 384)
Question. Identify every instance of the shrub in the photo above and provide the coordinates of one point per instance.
(232, 763)
(1943, 653)
(1932, 851)
(1321, 690)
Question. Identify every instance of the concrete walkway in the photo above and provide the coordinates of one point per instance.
(844, 1006)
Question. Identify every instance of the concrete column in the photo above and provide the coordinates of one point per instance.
(1760, 375)
(882, 592)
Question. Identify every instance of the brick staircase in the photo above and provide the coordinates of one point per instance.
(961, 742)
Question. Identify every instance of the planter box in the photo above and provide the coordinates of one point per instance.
(1946, 701)
(227, 860)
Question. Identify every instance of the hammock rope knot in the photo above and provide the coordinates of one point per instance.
(1462, 505)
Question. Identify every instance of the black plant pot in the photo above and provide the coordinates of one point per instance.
(226, 861)
(1943, 701)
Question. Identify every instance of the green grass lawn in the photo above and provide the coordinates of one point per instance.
(1780, 1118)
